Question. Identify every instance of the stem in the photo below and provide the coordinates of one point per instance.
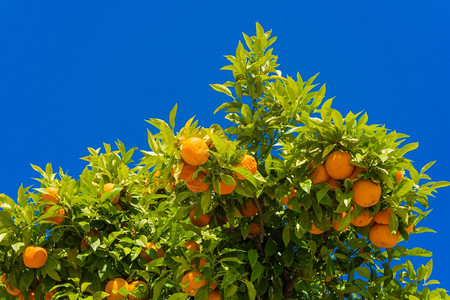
(290, 282)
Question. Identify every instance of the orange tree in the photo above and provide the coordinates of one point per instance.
(291, 201)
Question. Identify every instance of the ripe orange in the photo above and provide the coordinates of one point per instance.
(197, 185)
(399, 176)
(192, 282)
(136, 285)
(380, 236)
(285, 200)
(49, 295)
(192, 245)
(334, 184)
(52, 195)
(214, 295)
(410, 228)
(202, 219)
(338, 165)
(383, 216)
(356, 171)
(108, 187)
(30, 296)
(336, 224)
(34, 257)
(194, 151)
(249, 209)
(249, 163)
(151, 245)
(362, 220)
(58, 220)
(201, 263)
(186, 171)
(315, 230)
(254, 228)
(225, 188)
(366, 192)
(113, 286)
(12, 290)
(319, 174)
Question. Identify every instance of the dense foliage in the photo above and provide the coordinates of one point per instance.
(245, 208)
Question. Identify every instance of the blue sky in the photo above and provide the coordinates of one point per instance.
(76, 74)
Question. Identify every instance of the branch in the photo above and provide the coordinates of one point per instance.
(290, 282)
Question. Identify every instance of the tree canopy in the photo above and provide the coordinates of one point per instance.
(292, 200)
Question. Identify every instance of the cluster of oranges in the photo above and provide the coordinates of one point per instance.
(366, 193)
(115, 285)
(195, 153)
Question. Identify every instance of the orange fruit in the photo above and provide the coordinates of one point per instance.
(254, 228)
(202, 219)
(113, 286)
(52, 195)
(58, 220)
(30, 296)
(186, 171)
(356, 171)
(201, 263)
(225, 188)
(383, 216)
(338, 165)
(315, 230)
(12, 290)
(285, 200)
(399, 176)
(380, 236)
(410, 228)
(362, 220)
(249, 163)
(133, 285)
(49, 295)
(336, 224)
(214, 295)
(249, 209)
(192, 282)
(197, 185)
(151, 245)
(366, 192)
(192, 245)
(108, 187)
(194, 151)
(34, 257)
(319, 174)
(334, 184)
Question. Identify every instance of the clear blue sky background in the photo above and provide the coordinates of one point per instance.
(75, 74)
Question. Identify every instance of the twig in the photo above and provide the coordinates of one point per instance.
(261, 221)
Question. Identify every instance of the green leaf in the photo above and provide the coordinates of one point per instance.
(229, 278)
(221, 88)
(406, 148)
(258, 269)
(206, 200)
(429, 267)
(432, 282)
(252, 257)
(286, 235)
(172, 115)
(250, 289)
(363, 271)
